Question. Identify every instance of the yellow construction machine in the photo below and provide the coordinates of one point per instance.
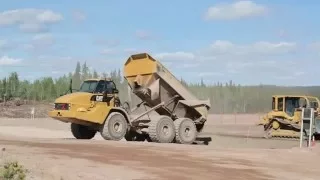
(284, 120)
(178, 115)
(88, 108)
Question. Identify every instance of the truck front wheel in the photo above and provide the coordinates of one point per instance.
(82, 132)
(114, 127)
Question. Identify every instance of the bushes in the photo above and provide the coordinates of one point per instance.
(13, 171)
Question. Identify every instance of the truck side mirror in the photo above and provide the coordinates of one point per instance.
(115, 91)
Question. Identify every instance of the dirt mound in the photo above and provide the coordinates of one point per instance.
(22, 109)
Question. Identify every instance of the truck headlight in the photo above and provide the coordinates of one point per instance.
(62, 106)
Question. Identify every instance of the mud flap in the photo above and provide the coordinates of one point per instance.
(317, 126)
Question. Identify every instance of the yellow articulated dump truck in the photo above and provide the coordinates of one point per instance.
(178, 115)
(284, 120)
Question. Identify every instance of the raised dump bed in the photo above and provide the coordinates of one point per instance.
(181, 115)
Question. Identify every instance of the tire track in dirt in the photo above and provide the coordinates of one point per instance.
(168, 164)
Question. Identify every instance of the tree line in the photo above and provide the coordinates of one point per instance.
(225, 97)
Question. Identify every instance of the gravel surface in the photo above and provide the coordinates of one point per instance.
(237, 151)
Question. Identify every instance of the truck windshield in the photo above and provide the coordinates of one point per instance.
(314, 104)
(88, 86)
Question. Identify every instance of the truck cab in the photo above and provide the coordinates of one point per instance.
(98, 86)
(289, 106)
(88, 104)
(95, 107)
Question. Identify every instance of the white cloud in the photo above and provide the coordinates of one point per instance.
(237, 66)
(33, 28)
(143, 34)
(44, 39)
(108, 51)
(29, 19)
(314, 46)
(299, 73)
(282, 33)
(281, 47)
(56, 72)
(208, 74)
(42, 36)
(28, 46)
(179, 65)
(291, 75)
(67, 58)
(224, 60)
(229, 57)
(167, 64)
(5, 60)
(4, 44)
(222, 46)
(48, 16)
(236, 10)
(131, 50)
(262, 47)
(175, 56)
(190, 65)
(79, 15)
(282, 77)
(106, 42)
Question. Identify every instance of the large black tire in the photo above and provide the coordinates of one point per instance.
(114, 127)
(186, 131)
(161, 130)
(82, 132)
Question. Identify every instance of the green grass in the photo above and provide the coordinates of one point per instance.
(12, 171)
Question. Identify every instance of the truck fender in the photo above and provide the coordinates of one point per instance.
(122, 111)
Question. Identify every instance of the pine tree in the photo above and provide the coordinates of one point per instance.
(95, 74)
(84, 72)
(76, 80)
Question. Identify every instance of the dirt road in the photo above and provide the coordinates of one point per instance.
(48, 150)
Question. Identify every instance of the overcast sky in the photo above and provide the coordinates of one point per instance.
(250, 42)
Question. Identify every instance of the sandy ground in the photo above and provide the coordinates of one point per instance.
(237, 151)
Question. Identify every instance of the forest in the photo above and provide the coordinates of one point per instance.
(225, 97)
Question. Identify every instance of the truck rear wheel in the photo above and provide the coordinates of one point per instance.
(161, 130)
(82, 132)
(114, 127)
(186, 131)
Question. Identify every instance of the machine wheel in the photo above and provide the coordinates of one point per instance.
(186, 131)
(161, 130)
(114, 127)
(134, 136)
(82, 132)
